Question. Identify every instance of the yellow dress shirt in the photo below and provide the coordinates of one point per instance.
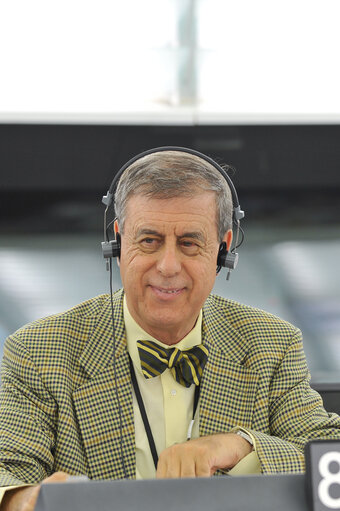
(168, 404)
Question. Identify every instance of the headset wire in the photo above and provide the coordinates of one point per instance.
(115, 374)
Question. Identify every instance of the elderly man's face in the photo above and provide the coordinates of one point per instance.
(168, 261)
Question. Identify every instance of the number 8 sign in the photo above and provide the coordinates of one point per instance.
(323, 474)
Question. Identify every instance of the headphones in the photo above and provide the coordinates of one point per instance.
(227, 259)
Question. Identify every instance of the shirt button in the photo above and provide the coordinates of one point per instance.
(173, 392)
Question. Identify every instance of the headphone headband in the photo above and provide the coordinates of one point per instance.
(109, 197)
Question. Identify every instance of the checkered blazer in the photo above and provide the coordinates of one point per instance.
(59, 409)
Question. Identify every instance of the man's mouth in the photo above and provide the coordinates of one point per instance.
(167, 291)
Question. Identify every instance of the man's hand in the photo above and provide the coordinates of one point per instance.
(203, 456)
(24, 499)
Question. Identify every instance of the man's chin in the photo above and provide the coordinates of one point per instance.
(168, 326)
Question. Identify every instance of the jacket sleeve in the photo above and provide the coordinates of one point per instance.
(27, 419)
(296, 415)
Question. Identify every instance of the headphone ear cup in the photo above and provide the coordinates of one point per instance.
(222, 254)
(111, 248)
(227, 259)
(118, 241)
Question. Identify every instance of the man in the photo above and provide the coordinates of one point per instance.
(67, 404)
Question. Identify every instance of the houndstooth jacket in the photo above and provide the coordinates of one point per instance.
(59, 410)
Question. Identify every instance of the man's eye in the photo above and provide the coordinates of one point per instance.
(189, 247)
(149, 242)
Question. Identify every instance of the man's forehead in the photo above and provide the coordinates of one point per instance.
(179, 214)
(171, 201)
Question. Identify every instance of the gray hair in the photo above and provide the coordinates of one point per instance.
(168, 174)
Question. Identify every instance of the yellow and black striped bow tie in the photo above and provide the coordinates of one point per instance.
(185, 366)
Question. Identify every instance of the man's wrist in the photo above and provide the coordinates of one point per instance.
(15, 498)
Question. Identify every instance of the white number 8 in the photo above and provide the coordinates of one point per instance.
(328, 479)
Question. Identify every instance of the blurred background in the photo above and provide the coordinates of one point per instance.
(85, 85)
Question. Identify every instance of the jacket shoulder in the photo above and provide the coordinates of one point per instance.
(252, 323)
(75, 323)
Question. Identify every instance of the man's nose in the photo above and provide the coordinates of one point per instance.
(169, 262)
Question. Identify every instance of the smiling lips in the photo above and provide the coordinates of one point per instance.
(166, 293)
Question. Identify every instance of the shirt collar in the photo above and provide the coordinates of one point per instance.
(134, 333)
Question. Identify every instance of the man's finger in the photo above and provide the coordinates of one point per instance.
(203, 468)
(187, 466)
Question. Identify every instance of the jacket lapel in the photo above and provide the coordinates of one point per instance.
(228, 386)
(96, 402)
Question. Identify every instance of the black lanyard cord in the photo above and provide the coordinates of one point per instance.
(144, 415)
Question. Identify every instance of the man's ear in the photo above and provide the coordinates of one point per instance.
(228, 238)
(115, 227)
(118, 238)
